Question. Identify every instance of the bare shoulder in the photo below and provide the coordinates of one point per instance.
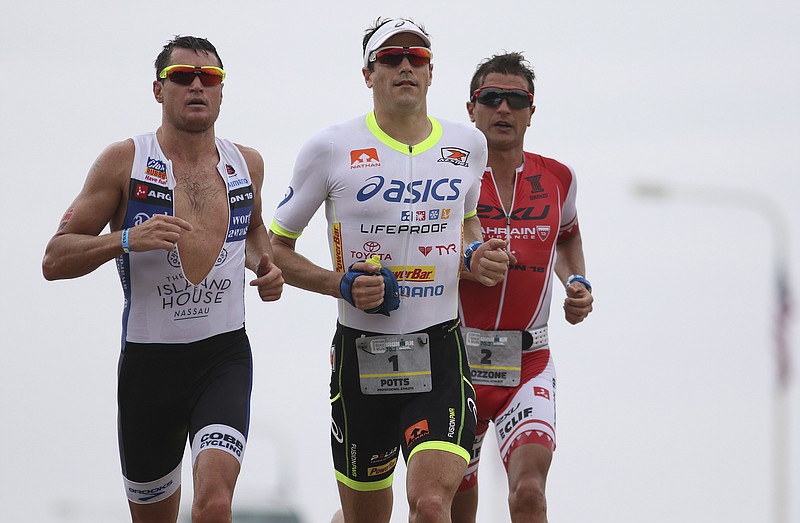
(255, 163)
(251, 156)
(114, 161)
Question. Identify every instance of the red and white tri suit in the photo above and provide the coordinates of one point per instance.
(543, 212)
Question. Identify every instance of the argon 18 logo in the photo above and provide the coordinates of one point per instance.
(418, 191)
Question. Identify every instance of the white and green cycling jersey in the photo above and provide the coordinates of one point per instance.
(404, 204)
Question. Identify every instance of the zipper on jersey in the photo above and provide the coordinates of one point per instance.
(407, 239)
(507, 214)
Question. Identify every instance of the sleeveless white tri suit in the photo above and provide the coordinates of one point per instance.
(185, 368)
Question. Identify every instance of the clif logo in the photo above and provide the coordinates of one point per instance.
(454, 155)
(360, 158)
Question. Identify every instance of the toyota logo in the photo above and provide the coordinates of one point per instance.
(372, 246)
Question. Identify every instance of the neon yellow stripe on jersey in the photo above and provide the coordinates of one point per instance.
(419, 148)
(280, 231)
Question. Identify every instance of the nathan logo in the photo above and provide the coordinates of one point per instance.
(156, 171)
(416, 431)
(229, 169)
(414, 273)
(454, 155)
(360, 158)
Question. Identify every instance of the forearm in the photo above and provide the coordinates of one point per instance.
(570, 258)
(257, 245)
(472, 231)
(299, 271)
(73, 255)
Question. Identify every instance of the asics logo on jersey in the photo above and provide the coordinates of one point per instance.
(418, 191)
(337, 432)
(287, 196)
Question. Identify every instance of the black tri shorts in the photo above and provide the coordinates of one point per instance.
(369, 430)
(170, 392)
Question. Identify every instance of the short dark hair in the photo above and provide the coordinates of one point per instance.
(194, 43)
(377, 24)
(507, 63)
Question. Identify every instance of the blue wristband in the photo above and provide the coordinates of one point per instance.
(469, 251)
(125, 247)
(580, 279)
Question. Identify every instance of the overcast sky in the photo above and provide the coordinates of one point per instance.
(665, 399)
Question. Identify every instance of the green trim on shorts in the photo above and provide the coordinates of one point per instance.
(280, 231)
(444, 446)
(471, 214)
(363, 486)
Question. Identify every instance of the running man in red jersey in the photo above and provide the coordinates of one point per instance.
(529, 201)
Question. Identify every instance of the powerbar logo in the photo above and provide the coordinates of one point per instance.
(414, 273)
(336, 236)
(383, 469)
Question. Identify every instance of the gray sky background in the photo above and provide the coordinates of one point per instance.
(665, 394)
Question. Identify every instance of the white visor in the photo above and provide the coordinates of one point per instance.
(388, 30)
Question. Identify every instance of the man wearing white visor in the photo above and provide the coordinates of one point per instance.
(400, 190)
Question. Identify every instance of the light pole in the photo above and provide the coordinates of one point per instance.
(748, 199)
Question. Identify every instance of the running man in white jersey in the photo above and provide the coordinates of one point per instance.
(528, 200)
(399, 187)
(184, 211)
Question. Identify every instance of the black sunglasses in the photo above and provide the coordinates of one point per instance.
(493, 97)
